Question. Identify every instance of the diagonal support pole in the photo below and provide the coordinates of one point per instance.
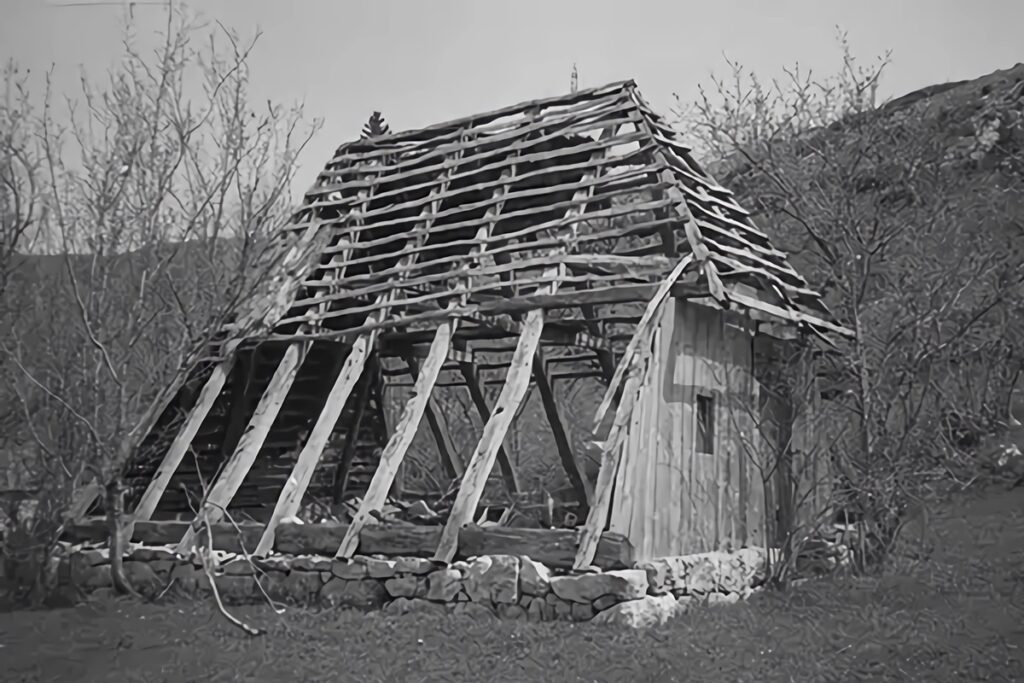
(398, 445)
(611, 456)
(482, 461)
(580, 483)
(249, 445)
(476, 393)
(290, 499)
(453, 467)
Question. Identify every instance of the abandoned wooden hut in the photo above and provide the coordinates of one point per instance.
(572, 231)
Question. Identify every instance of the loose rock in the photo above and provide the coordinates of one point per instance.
(648, 611)
(493, 578)
(625, 584)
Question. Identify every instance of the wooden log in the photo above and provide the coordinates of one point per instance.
(400, 441)
(83, 500)
(482, 460)
(450, 461)
(176, 451)
(167, 532)
(479, 398)
(553, 547)
(579, 481)
(611, 455)
(249, 445)
(641, 335)
(291, 495)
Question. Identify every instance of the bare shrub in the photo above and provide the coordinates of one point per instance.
(147, 213)
(909, 235)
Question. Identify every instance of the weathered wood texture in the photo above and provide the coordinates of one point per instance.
(553, 547)
(290, 498)
(594, 181)
(230, 479)
(443, 173)
(671, 498)
(400, 441)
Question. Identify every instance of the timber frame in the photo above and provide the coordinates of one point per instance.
(549, 233)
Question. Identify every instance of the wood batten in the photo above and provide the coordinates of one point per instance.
(215, 502)
(398, 445)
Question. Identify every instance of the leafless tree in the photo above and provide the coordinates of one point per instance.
(908, 230)
(152, 202)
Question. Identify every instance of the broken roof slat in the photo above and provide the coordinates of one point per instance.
(536, 156)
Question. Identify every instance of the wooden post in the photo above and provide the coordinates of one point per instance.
(479, 468)
(476, 393)
(579, 481)
(290, 499)
(400, 441)
(176, 451)
(353, 429)
(611, 455)
(641, 335)
(453, 467)
(249, 445)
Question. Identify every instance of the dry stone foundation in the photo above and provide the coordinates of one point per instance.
(506, 586)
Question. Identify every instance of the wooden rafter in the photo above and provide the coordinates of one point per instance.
(483, 408)
(611, 456)
(640, 335)
(401, 439)
(453, 467)
(577, 478)
(482, 461)
(230, 479)
(290, 498)
(183, 440)
(517, 383)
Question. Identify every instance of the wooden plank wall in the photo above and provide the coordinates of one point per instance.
(670, 499)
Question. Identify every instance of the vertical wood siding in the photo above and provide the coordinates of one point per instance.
(669, 498)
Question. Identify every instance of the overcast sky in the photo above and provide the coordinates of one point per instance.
(423, 61)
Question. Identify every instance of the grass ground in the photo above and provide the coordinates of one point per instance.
(957, 617)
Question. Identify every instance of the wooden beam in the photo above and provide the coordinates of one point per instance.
(482, 460)
(290, 499)
(641, 335)
(231, 477)
(176, 451)
(83, 500)
(556, 548)
(401, 439)
(354, 428)
(476, 393)
(244, 367)
(604, 356)
(453, 467)
(611, 456)
(579, 481)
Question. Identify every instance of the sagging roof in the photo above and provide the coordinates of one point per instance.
(586, 198)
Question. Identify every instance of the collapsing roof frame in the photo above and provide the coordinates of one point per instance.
(488, 225)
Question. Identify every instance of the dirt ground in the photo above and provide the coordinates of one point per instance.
(959, 616)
